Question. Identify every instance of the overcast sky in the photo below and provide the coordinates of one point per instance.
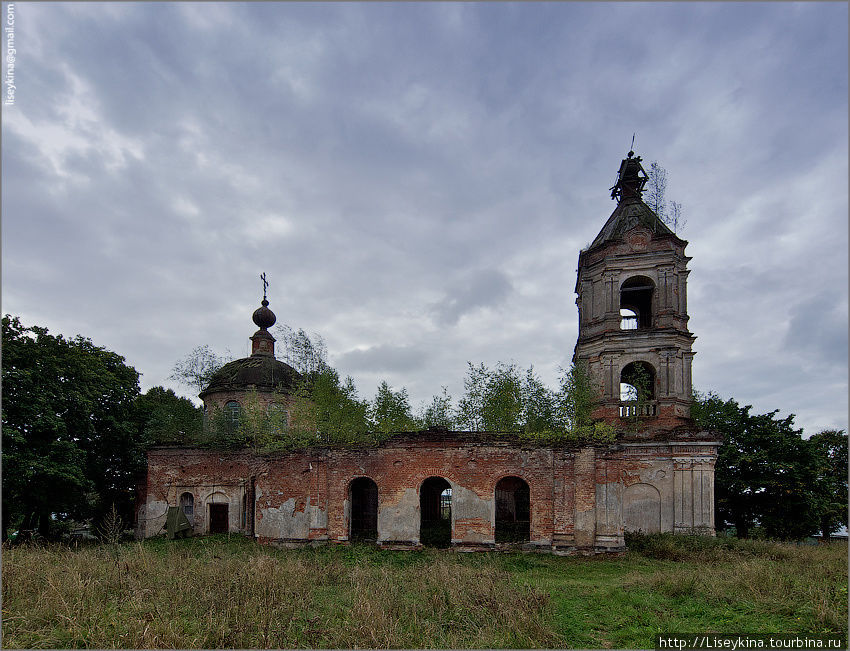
(417, 180)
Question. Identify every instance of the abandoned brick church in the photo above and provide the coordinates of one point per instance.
(471, 490)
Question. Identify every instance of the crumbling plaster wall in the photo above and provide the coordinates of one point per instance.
(581, 498)
(209, 476)
(290, 498)
(472, 470)
(683, 476)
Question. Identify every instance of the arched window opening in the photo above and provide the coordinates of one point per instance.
(435, 507)
(278, 416)
(363, 496)
(232, 411)
(513, 510)
(244, 519)
(628, 319)
(636, 296)
(637, 390)
(187, 505)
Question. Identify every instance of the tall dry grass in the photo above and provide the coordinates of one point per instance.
(215, 593)
(142, 597)
(803, 582)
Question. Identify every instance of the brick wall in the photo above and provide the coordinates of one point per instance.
(576, 494)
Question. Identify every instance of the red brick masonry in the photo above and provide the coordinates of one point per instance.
(581, 498)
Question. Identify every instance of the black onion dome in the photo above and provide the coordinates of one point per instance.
(265, 373)
(263, 316)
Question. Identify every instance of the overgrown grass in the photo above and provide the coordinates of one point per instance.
(798, 587)
(217, 592)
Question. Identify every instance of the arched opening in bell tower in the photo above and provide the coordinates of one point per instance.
(636, 303)
(637, 389)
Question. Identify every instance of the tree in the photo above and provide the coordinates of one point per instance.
(830, 449)
(502, 408)
(166, 418)
(539, 405)
(439, 414)
(71, 444)
(326, 411)
(575, 402)
(656, 190)
(505, 399)
(766, 474)
(471, 405)
(303, 353)
(492, 400)
(390, 411)
(196, 369)
(577, 398)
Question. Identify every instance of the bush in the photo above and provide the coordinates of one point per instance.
(682, 547)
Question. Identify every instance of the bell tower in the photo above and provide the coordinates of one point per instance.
(633, 321)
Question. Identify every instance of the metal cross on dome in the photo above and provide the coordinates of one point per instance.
(265, 284)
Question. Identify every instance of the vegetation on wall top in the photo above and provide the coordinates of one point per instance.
(326, 411)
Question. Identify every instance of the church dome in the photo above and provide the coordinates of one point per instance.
(261, 372)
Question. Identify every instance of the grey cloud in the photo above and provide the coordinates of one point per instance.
(818, 330)
(383, 358)
(415, 155)
(485, 288)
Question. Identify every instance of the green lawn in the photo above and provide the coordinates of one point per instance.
(217, 592)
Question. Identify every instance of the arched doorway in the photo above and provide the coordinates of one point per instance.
(513, 510)
(435, 507)
(219, 513)
(363, 496)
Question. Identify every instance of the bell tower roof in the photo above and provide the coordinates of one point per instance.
(631, 211)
